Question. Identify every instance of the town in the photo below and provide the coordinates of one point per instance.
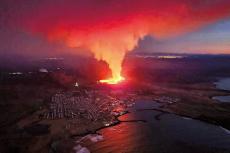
(91, 105)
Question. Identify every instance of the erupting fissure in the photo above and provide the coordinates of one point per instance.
(111, 46)
(113, 80)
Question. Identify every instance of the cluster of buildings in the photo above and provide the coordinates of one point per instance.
(60, 107)
(85, 104)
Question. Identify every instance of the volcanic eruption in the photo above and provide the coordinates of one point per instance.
(109, 45)
(109, 29)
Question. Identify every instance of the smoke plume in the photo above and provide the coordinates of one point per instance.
(111, 28)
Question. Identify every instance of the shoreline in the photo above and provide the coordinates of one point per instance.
(206, 121)
(85, 145)
(116, 122)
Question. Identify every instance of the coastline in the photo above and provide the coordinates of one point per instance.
(208, 122)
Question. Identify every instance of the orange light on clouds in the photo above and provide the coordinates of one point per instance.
(110, 29)
(109, 44)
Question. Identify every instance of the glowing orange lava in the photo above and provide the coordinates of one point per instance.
(113, 80)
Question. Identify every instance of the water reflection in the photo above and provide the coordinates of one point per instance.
(222, 98)
(117, 138)
(223, 84)
(170, 133)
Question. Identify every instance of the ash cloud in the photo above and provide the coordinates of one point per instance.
(110, 28)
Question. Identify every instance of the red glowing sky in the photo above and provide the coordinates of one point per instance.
(86, 17)
(88, 23)
(106, 28)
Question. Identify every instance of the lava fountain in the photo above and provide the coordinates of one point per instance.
(113, 80)
(112, 48)
(110, 45)
(114, 61)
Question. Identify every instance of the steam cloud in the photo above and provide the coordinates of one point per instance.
(111, 28)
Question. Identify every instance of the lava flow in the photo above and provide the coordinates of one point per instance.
(113, 80)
